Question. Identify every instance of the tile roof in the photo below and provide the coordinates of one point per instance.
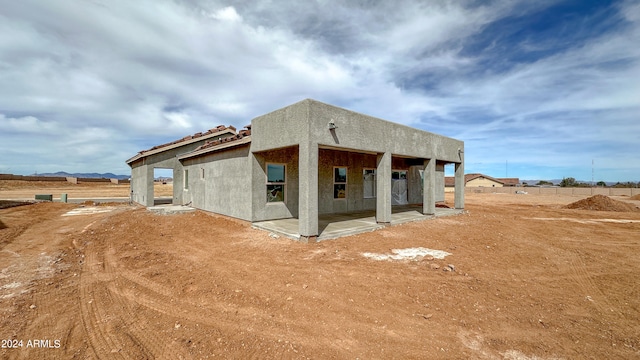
(510, 181)
(241, 138)
(217, 129)
(243, 133)
(449, 181)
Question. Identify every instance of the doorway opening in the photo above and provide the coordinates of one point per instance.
(399, 193)
(449, 173)
(162, 186)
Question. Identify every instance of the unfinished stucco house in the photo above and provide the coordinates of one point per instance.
(303, 161)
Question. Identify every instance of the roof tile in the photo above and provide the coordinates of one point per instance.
(243, 133)
(218, 128)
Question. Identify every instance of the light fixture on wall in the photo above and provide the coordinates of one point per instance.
(332, 125)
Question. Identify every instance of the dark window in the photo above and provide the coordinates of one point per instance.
(339, 182)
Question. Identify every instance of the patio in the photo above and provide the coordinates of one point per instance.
(332, 226)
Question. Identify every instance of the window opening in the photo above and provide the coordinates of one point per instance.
(276, 182)
(369, 183)
(399, 174)
(339, 182)
(399, 193)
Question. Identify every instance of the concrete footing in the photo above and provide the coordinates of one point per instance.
(308, 239)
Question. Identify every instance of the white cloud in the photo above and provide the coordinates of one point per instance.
(117, 68)
(24, 125)
(227, 14)
(178, 120)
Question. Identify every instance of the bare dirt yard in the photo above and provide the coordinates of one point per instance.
(529, 279)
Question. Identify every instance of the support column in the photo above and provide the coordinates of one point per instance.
(459, 185)
(439, 184)
(414, 184)
(308, 191)
(148, 188)
(429, 186)
(383, 189)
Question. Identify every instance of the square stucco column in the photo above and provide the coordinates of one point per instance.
(383, 189)
(308, 192)
(459, 186)
(149, 182)
(429, 186)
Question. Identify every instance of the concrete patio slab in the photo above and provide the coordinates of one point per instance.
(332, 226)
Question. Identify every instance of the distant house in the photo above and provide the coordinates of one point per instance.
(510, 181)
(303, 160)
(481, 180)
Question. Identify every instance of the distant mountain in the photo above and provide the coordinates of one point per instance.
(86, 175)
(533, 182)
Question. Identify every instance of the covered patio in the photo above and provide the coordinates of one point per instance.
(331, 226)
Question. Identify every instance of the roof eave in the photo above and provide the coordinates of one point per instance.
(177, 145)
(243, 141)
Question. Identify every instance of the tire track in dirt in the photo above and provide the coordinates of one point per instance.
(46, 324)
(595, 296)
(162, 299)
(34, 271)
(44, 263)
(102, 295)
(137, 299)
(147, 340)
(591, 291)
(112, 264)
(566, 254)
(170, 308)
(155, 296)
(106, 332)
(91, 294)
(132, 288)
(104, 328)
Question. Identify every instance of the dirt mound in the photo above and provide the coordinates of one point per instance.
(601, 203)
(635, 197)
(10, 203)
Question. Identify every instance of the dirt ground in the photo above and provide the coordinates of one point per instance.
(530, 280)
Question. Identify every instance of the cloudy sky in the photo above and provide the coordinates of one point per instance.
(536, 89)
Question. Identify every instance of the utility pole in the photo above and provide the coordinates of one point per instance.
(592, 183)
